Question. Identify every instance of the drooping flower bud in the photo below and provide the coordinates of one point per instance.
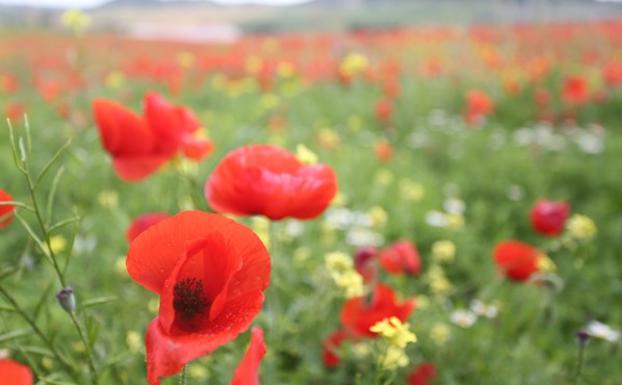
(66, 299)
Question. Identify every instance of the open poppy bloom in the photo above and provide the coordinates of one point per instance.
(365, 262)
(360, 313)
(144, 222)
(210, 273)
(14, 373)
(270, 181)
(6, 211)
(141, 145)
(247, 372)
(401, 257)
(330, 346)
(549, 217)
(517, 260)
(423, 374)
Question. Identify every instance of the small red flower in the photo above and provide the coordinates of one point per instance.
(423, 374)
(359, 314)
(141, 145)
(575, 90)
(364, 262)
(268, 180)
(6, 211)
(330, 347)
(14, 373)
(549, 217)
(612, 73)
(210, 273)
(383, 150)
(247, 372)
(478, 106)
(517, 260)
(144, 222)
(401, 257)
(384, 110)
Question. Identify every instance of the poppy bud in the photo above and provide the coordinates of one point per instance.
(66, 299)
(583, 337)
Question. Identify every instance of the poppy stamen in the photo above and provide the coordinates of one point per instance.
(189, 299)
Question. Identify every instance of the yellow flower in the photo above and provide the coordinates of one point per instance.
(384, 177)
(546, 264)
(119, 266)
(328, 138)
(455, 221)
(115, 79)
(186, 59)
(286, 70)
(411, 191)
(422, 301)
(378, 216)
(439, 333)
(355, 122)
(75, 20)
(269, 101)
(443, 251)
(301, 254)
(339, 200)
(304, 155)
(581, 227)
(394, 358)
(439, 284)
(261, 226)
(108, 199)
(58, 244)
(78, 347)
(253, 64)
(47, 363)
(396, 332)
(353, 64)
(134, 341)
(153, 305)
(197, 372)
(341, 269)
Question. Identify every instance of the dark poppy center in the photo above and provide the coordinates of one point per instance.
(189, 299)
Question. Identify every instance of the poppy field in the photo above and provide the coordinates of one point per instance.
(425, 205)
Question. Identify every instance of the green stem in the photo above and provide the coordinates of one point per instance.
(579, 364)
(182, 376)
(18, 309)
(87, 346)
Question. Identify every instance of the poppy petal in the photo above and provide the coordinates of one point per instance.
(14, 373)
(247, 372)
(137, 168)
(121, 130)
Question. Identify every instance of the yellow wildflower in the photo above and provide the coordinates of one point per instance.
(411, 191)
(115, 79)
(396, 332)
(58, 243)
(394, 358)
(443, 251)
(546, 264)
(378, 216)
(108, 199)
(197, 372)
(304, 155)
(75, 20)
(581, 227)
(134, 341)
(439, 333)
(353, 64)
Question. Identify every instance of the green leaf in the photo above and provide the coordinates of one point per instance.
(97, 301)
(17, 333)
(51, 162)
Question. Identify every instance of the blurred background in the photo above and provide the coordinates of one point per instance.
(205, 20)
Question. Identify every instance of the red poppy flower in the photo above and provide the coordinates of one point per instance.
(14, 373)
(247, 372)
(612, 73)
(268, 180)
(364, 262)
(144, 222)
(478, 106)
(383, 150)
(401, 257)
(359, 314)
(141, 145)
(423, 374)
(549, 217)
(517, 260)
(384, 110)
(330, 346)
(210, 273)
(575, 90)
(6, 211)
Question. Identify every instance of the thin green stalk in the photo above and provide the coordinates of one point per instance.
(18, 309)
(579, 364)
(87, 346)
(182, 376)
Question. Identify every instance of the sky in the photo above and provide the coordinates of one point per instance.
(90, 3)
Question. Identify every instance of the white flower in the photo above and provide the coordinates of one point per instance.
(481, 309)
(598, 329)
(294, 228)
(436, 218)
(454, 206)
(463, 318)
(360, 237)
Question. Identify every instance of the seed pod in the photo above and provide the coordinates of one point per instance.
(66, 299)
